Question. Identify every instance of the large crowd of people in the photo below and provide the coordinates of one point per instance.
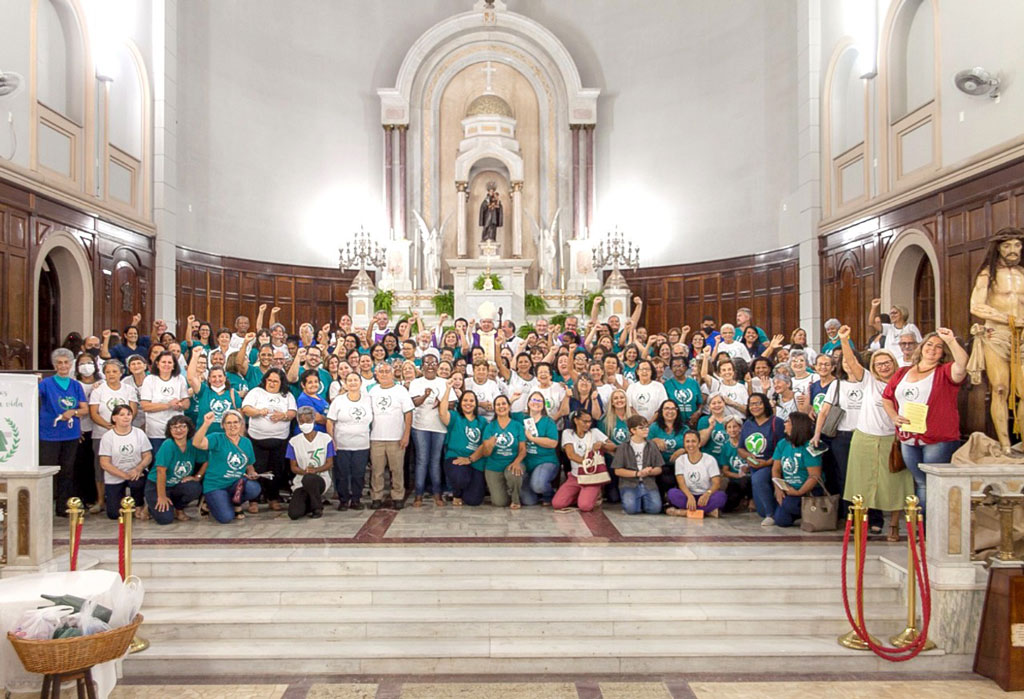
(580, 415)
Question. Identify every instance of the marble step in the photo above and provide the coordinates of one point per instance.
(703, 649)
(497, 621)
(485, 589)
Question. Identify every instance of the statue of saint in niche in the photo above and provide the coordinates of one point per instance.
(490, 214)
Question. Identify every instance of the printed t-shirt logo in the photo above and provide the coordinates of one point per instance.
(316, 457)
(182, 469)
(694, 476)
(819, 400)
(719, 437)
(127, 449)
(235, 460)
(736, 464)
(619, 435)
(384, 402)
(219, 407)
(643, 398)
(683, 396)
(790, 468)
(911, 393)
(472, 436)
(504, 440)
(68, 402)
(167, 390)
(755, 443)
(357, 413)
(115, 401)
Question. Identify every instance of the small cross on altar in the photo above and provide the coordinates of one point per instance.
(489, 70)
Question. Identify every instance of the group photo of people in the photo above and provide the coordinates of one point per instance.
(566, 413)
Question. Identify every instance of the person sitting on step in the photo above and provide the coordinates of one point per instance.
(638, 463)
(311, 456)
(698, 480)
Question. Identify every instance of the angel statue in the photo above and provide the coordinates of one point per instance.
(430, 247)
(547, 252)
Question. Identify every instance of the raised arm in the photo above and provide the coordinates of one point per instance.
(259, 317)
(856, 370)
(638, 305)
(959, 370)
(195, 381)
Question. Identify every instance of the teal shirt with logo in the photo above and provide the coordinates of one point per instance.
(537, 455)
(718, 437)
(464, 437)
(795, 462)
(673, 440)
(729, 458)
(506, 443)
(686, 395)
(209, 401)
(621, 432)
(227, 462)
(178, 464)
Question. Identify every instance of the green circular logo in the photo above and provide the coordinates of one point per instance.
(755, 443)
(10, 440)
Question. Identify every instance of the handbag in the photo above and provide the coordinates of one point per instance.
(830, 427)
(819, 513)
(593, 471)
(896, 462)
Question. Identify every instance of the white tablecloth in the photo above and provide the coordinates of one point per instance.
(21, 593)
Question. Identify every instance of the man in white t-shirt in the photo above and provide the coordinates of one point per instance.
(428, 432)
(486, 390)
(389, 437)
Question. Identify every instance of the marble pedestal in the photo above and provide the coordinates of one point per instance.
(581, 277)
(511, 298)
(29, 526)
(360, 300)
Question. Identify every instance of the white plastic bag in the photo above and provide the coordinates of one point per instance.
(39, 624)
(125, 601)
(88, 623)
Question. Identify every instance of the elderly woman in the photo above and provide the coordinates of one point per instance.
(311, 457)
(270, 408)
(230, 478)
(62, 405)
(173, 483)
(899, 323)
(125, 452)
(868, 471)
(728, 344)
(348, 421)
(106, 396)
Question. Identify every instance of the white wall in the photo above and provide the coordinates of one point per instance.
(279, 140)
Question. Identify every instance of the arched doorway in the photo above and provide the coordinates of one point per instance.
(910, 278)
(63, 294)
(924, 296)
(49, 313)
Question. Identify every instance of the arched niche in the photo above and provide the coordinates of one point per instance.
(128, 141)
(900, 268)
(65, 253)
(844, 129)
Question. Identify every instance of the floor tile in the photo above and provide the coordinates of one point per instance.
(497, 690)
(342, 691)
(634, 690)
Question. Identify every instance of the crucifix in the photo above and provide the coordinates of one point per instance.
(489, 70)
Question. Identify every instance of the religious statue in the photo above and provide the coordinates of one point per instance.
(430, 247)
(547, 252)
(998, 299)
(491, 214)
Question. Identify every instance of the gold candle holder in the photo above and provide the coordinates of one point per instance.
(125, 517)
(859, 514)
(909, 635)
(76, 510)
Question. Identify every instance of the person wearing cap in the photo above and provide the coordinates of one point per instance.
(311, 456)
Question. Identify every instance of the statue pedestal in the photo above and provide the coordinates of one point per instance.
(396, 273)
(511, 298)
(581, 277)
(29, 525)
(360, 300)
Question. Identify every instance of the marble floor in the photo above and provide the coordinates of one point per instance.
(429, 524)
(952, 687)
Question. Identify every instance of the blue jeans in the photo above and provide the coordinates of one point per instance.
(914, 456)
(537, 485)
(428, 446)
(219, 501)
(789, 511)
(113, 494)
(638, 497)
(350, 474)
(181, 496)
(763, 491)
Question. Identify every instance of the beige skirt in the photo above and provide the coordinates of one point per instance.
(867, 474)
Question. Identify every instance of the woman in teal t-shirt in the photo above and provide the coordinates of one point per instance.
(796, 467)
(505, 447)
(735, 470)
(712, 427)
(230, 477)
(173, 483)
(541, 434)
(667, 431)
(465, 433)
(215, 395)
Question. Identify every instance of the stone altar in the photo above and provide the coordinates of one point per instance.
(511, 299)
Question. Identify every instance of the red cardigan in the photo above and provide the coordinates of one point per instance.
(943, 415)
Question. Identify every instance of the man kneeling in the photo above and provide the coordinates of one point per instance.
(311, 455)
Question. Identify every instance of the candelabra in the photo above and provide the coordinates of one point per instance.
(618, 252)
(361, 252)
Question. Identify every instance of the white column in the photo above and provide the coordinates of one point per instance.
(517, 219)
(460, 215)
(165, 175)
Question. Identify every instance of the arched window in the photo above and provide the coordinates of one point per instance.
(61, 91)
(847, 130)
(126, 101)
(909, 111)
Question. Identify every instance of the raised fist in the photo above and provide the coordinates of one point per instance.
(637, 300)
(263, 307)
(249, 337)
(105, 334)
(136, 319)
(844, 332)
(275, 309)
(876, 302)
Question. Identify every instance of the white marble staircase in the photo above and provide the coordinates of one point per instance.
(617, 608)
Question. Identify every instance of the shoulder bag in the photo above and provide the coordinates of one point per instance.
(835, 415)
(593, 470)
(819, 513)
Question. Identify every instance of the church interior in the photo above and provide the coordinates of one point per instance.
(525, 315)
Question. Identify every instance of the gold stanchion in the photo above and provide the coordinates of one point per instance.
(127, 512)
(910, 634)
(75, 512)
(859, 513)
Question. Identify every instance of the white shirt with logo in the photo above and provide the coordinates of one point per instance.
(389, 408)
(485, 392)
(156, 390)
(106, 399)
(698, 476)
(645, 399)
(581, 445)
(311, 454)
(425, 416)
(125, 452)
(851, 400)
(261, 427)
(352, 420)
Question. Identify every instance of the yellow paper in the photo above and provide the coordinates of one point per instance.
(917, 413)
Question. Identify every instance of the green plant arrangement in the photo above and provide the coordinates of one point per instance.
(444, 302)
(558, 319)
(535, 305)
(524, 330)
(384, 301)
(495, 282)
(588, 301)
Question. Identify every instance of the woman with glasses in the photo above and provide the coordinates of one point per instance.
(541, 457)
(173, 484)
(583, 442)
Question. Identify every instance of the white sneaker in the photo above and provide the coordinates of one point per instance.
(768, 521)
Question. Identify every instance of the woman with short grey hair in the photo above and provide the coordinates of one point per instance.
(62, 405)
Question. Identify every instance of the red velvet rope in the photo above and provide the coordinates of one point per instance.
(75, 544)
(916, 543)
(120, 549)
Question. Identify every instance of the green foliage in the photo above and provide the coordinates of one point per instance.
(535, 305)
(558, 319)
(495, 282)
(524, 330)
(588, 301)
(444, 302)
(384, 301)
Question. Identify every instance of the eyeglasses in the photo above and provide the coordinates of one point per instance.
(179, 426)
(908, 344)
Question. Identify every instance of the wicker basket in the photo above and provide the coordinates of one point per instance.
(64, 655)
